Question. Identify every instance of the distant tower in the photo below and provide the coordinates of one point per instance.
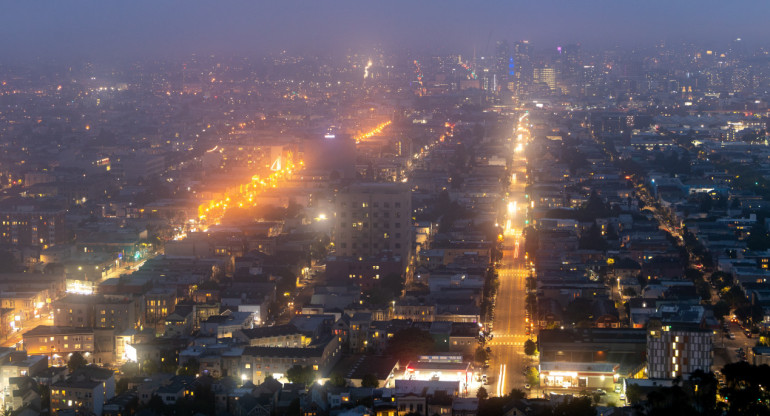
(545, 75)
(503, 58)
(522, 61)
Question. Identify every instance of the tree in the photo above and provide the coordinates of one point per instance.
(121, 386)
(703, 289)
(190, 368)
(76, 361)
(531, 241)
(370, 380)
(393, 282)
(482, 394)
(593, 239)
(45, 396)
(336, 379)
(633, 393)
(594, 208)
(8, 262)
(407, 344)
(149, 367)
(734, 296)
(533, 376)
(378, 297)
(721, 279)
(629, 292)
(531, 301)
(481, 355)
(517, 394)
(669, 401)
(721, 309)
(319, 248)
(744, 391)
(530, 348)
(301, 375)
(579, 406)
(702, 387)
(156, 405)
(579, 310)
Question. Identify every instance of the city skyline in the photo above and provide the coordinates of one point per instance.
(144, 29)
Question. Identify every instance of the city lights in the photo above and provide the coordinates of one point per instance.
(371, 133)
(333, 214)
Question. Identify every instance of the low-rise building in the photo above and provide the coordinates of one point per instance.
(58, 342)
(256, 363)
(77, 395)
(96, 311)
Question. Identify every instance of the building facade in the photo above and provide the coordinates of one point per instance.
(674, 352)
(373, 218)
(28, 225)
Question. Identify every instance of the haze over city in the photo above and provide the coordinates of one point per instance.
(150, 29)
(337, 208)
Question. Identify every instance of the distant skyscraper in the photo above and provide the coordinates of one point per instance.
(572, 60)
(545, 75)
(521, 66)
(503, 63)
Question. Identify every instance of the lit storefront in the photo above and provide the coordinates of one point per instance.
(578, 375)
(440, 368)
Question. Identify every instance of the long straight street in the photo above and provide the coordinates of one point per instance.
(508, 361)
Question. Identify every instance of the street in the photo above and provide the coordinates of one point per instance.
(725, 349)
(507, 361)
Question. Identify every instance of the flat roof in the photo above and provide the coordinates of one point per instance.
(578, 367)
(422, 366)
(42, 330)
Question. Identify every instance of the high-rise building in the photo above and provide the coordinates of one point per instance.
(372, 218)
(572, 58)
(677, 350)
(503, 64)
(521, 65)
(545, 75)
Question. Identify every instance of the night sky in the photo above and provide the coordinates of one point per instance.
(158, 28)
